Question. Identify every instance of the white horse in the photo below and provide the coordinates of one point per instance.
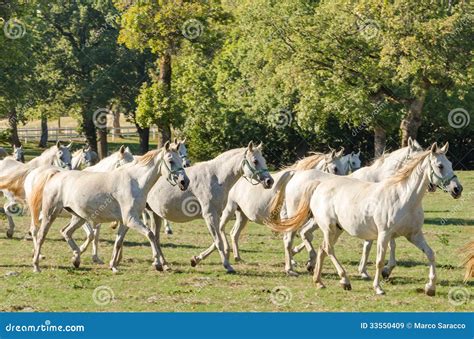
(15, 172)
(382, 168)
(84, 157)
(97, 197)
(351, 162)
(3, 153)
(380, 211)
(252, 202)
(206, 196)
(183, 153)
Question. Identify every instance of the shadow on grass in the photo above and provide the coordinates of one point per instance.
(449, 222)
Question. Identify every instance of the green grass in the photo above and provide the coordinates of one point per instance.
(138, 287)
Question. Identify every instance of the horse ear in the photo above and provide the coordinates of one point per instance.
(333, 154)
(178, 144)
(70, 145)
(358, 153)
(250, 146)
(183, 141)
(58, 144)
(175, 141)
(260, 146)
(445, 148)
(340, 153)
(167, 146)
(122, 149)
(434, 147)
(416, 145)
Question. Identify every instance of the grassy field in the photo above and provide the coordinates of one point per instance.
(138, 287)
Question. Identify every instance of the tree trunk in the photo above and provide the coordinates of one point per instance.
(380, 140)
(103, 145)
(164, 128)
(144, 137)
(116, 124)
(43, 143)
(412, 121)
(89, 130)
(13, 122)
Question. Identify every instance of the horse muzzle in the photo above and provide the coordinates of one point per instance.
(183, 183)
(456, 192)
(268, 183)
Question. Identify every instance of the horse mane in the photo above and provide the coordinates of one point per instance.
(224, 155)
(378, 161)
(76, 153)
(406, 171)
(146, 158)
(306, 163)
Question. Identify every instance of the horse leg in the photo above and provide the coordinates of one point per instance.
(67, 233)
(319, 266)
(46, 223)
(155, 223)
(330, 240)
(225, 217)
(288, 243)
(95, 245)
(89, 237)
(307, 237)
(168, 229)
(212, 222)
(241, 221)
(364, 259)
(382, 243)
(118, 245)
(418, 239)
(392, 262)
(136, 224)
(11, 226)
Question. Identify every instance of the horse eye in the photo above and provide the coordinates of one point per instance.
(255, 162)
(440, 166)
(335, 170)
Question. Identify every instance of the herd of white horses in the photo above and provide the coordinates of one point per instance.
(331, 192)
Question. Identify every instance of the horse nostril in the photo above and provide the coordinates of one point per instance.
(182, 182)
(456, 190)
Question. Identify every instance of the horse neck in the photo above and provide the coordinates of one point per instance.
(229, 169)
(105, 165)
(46, 158)
(76, 162)
(412, 189)
(395, 161)
(146, 175)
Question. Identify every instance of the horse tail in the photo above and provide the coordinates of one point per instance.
(302, 213)
(469, 260)
(14, 182)
(36, 198)
(277, 201)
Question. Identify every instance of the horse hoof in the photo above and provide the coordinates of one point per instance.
(292, 273)
(380, 292)
(365, 276)
(97, 260)
(194, 261)
(386, 273)
(169, 232)
(36, 270)
(230, 270)
(166, 268)
(76, 262)
(9, 234)
(310, 267)
(430, 291)
(320, 286)
(238, 259)
(114, 270)
(346, 286)
(158, 267)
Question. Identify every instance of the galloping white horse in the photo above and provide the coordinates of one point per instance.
(14, 172)
(380, 211)
(382, 168)
(206, 196)
(252, 202)
(97, 197)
